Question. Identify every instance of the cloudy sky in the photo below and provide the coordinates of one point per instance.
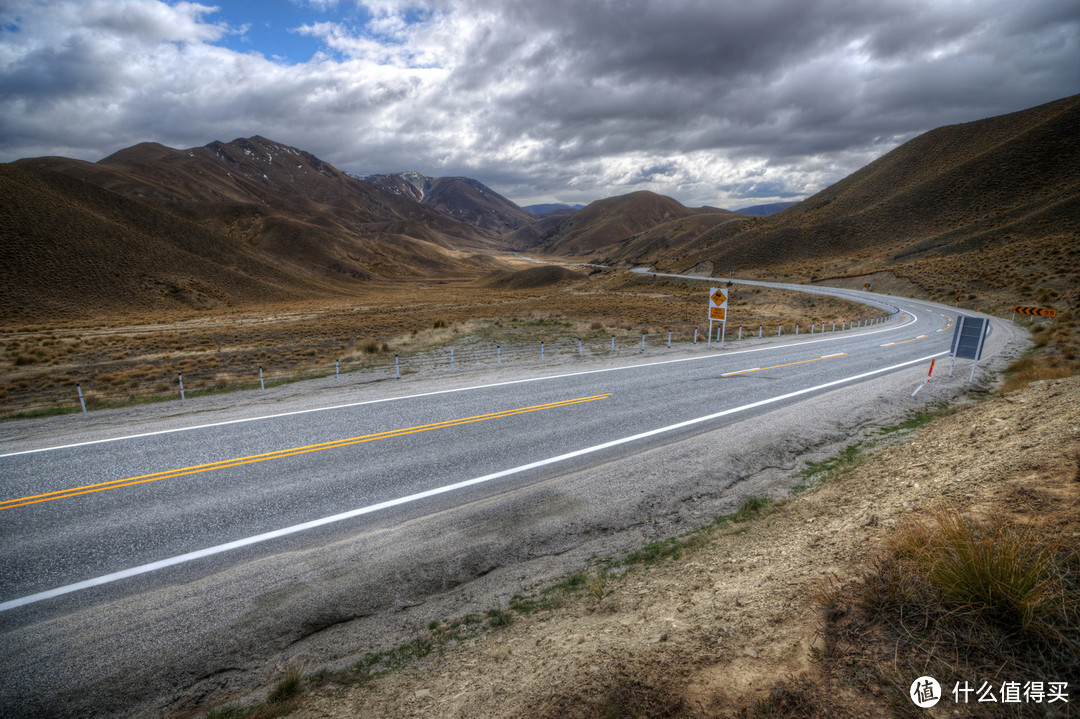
(720, 102)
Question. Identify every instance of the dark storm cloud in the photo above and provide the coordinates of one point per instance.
(707, 101)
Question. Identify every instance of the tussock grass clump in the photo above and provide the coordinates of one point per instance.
(280, 702)
(959, 600)
(290, 687)
(1001, 595)
(1000, 572)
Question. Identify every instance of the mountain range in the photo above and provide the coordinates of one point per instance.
(985, 208)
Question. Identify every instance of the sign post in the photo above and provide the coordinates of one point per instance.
(718, 311)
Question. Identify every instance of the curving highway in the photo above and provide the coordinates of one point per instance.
(86, 515)
(86, 523)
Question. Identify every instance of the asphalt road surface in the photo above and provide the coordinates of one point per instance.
(86, 524)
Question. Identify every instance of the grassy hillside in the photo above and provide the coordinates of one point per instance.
(71, 249)
(989, 210)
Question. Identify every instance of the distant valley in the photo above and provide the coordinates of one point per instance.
(988, 209)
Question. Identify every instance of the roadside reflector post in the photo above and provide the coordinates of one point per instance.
(740, 331)
(811, 328)
(723, 331)
(642, 341)
(669, 339)
(451, 358)
(779, 330)
(612, 344)
(796, 329)
(579, 354)
(928, 374)
(695, 335)
(82, 402)
(337, 369)
(397, 368)
(180, 377)
(541, 351)
(262, 384)
(708, 343)
(760, 328)
(498, 355)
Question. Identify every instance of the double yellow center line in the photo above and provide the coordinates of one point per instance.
(904, 342)
(281, 453)
(789, 364)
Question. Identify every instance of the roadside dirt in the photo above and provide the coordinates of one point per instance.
(711, 633)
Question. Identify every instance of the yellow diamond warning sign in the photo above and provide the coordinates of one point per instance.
(718, 304)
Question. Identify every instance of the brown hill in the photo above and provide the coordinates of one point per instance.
(533, 277)
(70, 249)
(659, 241)
(988, 208)
(250, 211)
(610, 221)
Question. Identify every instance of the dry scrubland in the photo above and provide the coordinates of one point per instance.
(948, 547)
(141, 356)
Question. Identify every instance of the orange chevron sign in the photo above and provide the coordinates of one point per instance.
(1035, 311)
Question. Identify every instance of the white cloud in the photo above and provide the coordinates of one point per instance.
(711, 102)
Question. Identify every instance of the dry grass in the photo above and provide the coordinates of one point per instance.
(961, 599)
(956, 571)
(1056, 353)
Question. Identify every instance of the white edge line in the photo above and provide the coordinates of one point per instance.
(248, 541)
(448, 391)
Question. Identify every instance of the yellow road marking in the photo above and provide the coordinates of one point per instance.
(225, 463)
(904, 342)
(945, 327)
(789, 364)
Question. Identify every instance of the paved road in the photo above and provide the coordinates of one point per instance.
(139, 572)
(100, 512)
